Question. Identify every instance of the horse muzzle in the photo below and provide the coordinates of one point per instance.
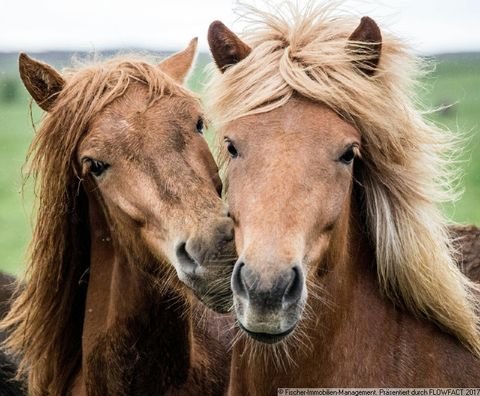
(205, 266)
(268, 309)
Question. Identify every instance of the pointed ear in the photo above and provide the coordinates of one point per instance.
(366, 41)
(226, 47)
(42, 81)
(178, 65)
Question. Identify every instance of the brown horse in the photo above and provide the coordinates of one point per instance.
(333, 178)
(128, 203)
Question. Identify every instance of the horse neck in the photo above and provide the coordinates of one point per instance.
(122, 304)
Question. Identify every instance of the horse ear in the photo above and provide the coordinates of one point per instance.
(366, 41)
(178, 65)
(42, 81)
(226, 47)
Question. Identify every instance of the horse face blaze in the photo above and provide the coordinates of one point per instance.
(289, 182)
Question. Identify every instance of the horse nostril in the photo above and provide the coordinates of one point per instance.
(293, 292)
(187, 263)
(238, 286)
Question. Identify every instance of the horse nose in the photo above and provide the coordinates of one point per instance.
(197, 252)
(189, 262)
(283, 290)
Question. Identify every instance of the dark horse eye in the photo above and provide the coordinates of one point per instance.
(231, 148)
(348, 156)
(96, 168)
(200, 126)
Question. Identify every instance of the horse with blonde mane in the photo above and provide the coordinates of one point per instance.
(346, 275)
(129, 205)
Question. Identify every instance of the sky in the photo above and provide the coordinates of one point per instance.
(93, 25)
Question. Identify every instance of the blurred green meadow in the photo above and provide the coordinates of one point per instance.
(455, 82)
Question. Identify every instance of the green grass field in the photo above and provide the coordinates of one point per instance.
(455, 80)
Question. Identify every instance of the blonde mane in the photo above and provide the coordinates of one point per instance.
(407, 163)
(46, 318)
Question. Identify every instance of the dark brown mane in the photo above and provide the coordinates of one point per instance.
(46, 318)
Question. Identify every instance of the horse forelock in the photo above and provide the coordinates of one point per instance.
(407, 163)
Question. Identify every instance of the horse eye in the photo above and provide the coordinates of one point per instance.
(231, 149)
(348, 156)
(96, 168)
(200, 126)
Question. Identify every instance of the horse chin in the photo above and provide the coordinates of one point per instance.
(218, 299)
(267, 338)
(219, 302)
